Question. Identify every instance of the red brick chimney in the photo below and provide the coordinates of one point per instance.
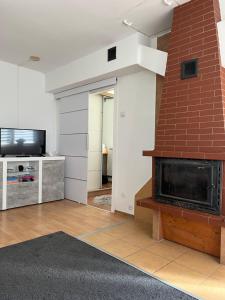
(191, 124)
(192, 116)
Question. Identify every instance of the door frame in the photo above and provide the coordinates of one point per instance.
(115, 140)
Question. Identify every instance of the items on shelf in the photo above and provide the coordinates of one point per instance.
(12, 179)
(26, 178)
(22, 178)
(20, 173)
(21, 169)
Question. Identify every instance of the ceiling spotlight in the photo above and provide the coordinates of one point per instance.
(127, 23)
(34, 58)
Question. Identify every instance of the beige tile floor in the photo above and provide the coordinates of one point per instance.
(190, 270)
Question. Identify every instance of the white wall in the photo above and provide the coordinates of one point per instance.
(131, 57)
(91, 67)
(221, 32)
(135, 131)
(8, 95)
(222, 8)
(24, 102)
(95, 142)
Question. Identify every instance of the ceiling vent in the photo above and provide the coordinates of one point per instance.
(111, 53)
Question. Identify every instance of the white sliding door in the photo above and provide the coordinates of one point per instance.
(73, 137)
(73, 143)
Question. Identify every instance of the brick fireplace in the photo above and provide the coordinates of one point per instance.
(191, 129)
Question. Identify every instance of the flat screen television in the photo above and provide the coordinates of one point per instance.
(22, 142)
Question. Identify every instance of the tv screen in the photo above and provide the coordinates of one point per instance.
(22, 141)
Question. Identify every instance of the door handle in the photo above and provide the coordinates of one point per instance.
(212, 186)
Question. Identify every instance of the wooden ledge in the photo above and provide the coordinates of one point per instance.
(151, 153)
(189, 155)
(182, 212)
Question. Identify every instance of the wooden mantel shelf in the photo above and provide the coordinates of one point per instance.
(150, 152)
(181, 212)
(196, 155)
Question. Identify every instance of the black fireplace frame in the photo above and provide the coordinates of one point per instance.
(212, 206)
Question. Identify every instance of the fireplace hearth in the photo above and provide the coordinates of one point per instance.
(189, 183)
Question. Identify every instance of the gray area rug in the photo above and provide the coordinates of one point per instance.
(58, 266)
(103, 199)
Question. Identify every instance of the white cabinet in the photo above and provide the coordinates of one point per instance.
(52, 180)
(30, 180)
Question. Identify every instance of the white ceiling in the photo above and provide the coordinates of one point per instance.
(60, 31)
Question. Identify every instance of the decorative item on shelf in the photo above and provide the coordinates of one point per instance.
(20, 178)
(10, 170)
(20, 168)
(30, 168)
(27, 178)
(12, 179)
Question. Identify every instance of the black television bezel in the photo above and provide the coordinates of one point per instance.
(25, 154)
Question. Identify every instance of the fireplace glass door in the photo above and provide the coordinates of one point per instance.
(193, 184)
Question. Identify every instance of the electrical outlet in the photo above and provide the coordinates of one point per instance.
(130, 207)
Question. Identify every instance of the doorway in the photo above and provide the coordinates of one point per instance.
(100, 149)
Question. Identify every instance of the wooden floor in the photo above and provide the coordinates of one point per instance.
(121, 236)
(28, 222)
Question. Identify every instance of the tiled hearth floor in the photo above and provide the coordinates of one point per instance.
(197, 273)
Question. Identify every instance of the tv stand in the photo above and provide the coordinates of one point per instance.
(30, 180)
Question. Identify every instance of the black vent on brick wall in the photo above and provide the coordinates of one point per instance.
(112, 53)
(189, 69)
(189, 183)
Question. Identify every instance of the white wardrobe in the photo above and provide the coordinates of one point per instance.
(73, 137)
